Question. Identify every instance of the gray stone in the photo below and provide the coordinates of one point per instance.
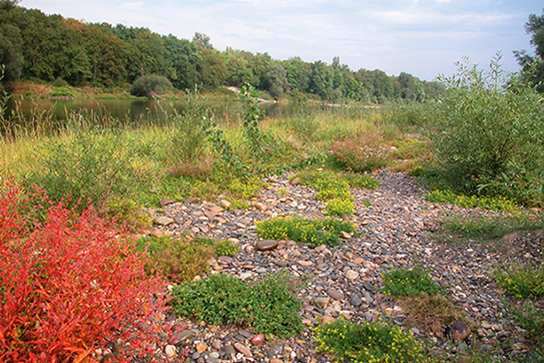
(165, 202)
(185, 335)
(266, 245)
(356, 299)
(229, 349)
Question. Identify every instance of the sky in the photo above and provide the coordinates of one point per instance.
(421, 37)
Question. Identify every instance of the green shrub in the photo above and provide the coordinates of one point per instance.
(315, 231)
(338, 207)
(63, 91)
(268, 306)
(367, 343)
(189, 142)
(481, 127)
(521, 281)
(405, 282)
(87, 167)
(360, 153)
(490, 203)
(178, 259)
(145, 86)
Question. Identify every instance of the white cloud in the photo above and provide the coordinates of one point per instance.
(132, 6)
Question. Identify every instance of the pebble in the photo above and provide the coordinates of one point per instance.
(163, 221)
(266, 245)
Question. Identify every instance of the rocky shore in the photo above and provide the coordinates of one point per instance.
(395, 228)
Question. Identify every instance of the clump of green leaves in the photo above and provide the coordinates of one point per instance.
(367, 343)
(523, 281)
(409, 282)
(268, 306)
(313, 231)
(63, 91)
(491, 203)
(338, 207)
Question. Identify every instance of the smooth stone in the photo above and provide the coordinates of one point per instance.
(352, 275)
(192, 200)
(322, 301)
(217, 344)
(335, 294)
(170, 352)
(213, 355)
(201, 347)
(186, 334)
(225, 259)
(356, 299)
(458, 331)
(225, 204)
(163, 221)
(246, 334)
(266, 245)
(257, 339)
(229, 349)
(243, 349)
(165, 202)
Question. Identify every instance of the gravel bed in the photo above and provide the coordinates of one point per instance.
(397, 230)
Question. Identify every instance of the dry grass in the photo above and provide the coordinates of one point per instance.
(431, 313)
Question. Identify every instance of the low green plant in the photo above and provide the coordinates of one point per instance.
(490, 203)
(128, 213)
(268, 306)
(367, 203)
(331, 188)
(357, 180)
(409, 282)
(313, 231)
(530, 316)
(523, 281)
(483, 227)
(180, 260)
(221, 247)
(338, 207)
(367, 343)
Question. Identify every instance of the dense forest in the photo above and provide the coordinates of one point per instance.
(44, 48)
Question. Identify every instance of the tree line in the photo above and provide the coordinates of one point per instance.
(39, 47)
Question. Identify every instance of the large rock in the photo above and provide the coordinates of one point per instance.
(266, 245)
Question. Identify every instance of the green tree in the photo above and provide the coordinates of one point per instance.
(10, 52)
(275, 81)
(533, 65)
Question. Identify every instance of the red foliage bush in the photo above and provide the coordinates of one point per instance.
(361, 153)
(70, 286)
